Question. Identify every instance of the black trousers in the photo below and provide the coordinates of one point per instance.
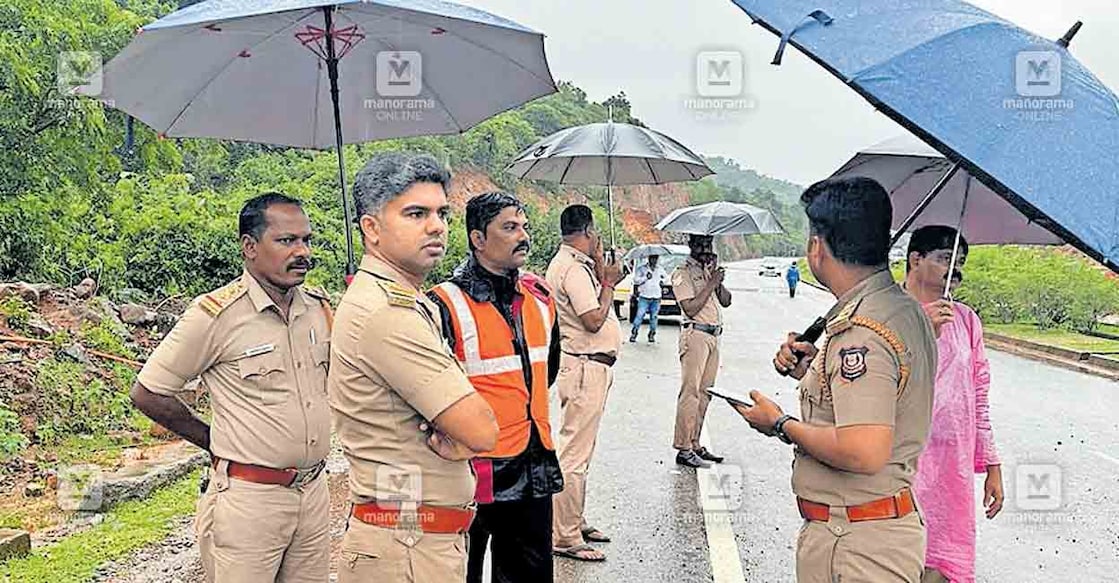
(520, 538)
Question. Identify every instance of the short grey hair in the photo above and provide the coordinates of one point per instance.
(387, 175)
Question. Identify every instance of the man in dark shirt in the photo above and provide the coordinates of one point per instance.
(501, 324)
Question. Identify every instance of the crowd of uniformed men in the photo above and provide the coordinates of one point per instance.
(439, 397)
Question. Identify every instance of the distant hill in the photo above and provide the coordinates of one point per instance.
(729, 173)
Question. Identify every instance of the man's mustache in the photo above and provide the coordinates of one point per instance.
(525, 246)
(301, 264)
(957, 276)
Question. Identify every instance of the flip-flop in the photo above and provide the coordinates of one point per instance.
(594, 535)
(574, 553)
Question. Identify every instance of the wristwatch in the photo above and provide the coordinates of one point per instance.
(779, 428)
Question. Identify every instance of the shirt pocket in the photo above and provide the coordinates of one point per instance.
(265, 377)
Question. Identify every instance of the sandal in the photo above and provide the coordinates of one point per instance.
(583, 552)
(594, 535)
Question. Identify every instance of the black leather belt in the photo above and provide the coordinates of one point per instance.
(706, 328)
(599, 357)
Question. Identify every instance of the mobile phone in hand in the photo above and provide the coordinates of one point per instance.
(731, 396)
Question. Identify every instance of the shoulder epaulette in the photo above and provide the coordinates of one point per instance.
(842, 320)
(214, 302)
(317, 292)
(398, 295)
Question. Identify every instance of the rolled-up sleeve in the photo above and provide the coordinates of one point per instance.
(399, 346)
(187, 351)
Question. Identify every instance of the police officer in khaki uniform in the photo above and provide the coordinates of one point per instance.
(261, 346)
(866, 398)
(582, 282)
(405, 412)
(698, 286)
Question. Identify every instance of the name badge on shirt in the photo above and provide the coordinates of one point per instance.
(258, 350)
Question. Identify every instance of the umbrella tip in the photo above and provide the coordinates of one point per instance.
(1065, 40)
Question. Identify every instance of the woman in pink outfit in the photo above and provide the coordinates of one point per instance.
(960, 441)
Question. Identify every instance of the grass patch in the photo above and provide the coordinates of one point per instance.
(127, 527)
(1060, 338)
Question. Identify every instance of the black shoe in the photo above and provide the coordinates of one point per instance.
(704, 454)
(689, 458)
(652, 339)
(632, 338)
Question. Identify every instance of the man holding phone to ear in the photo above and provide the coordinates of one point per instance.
(866, 398)
(698, 286)
(582, 279)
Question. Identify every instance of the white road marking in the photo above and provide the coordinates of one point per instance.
(1106, 457)
(726, 565)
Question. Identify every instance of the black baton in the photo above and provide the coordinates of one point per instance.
(811, 335)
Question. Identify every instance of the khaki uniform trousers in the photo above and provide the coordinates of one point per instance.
(933, 576)
(250, 533)
(699, 364)
(400, 555)
(582, 385)
(874, 551)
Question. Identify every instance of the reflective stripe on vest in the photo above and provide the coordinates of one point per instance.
(483, 344)
(474, 363)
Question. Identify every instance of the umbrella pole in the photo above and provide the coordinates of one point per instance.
(956, 243)
(940, 184)
(332, 73)
(610, 202)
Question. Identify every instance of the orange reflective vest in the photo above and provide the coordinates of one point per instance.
(484, 345)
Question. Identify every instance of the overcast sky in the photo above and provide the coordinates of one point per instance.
(806, 122)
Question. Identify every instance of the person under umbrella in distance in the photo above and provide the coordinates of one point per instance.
(698, 287)
(961, 442)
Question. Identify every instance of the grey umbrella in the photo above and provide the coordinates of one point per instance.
(609, 154)
(721, 218)
(928, 189)
(322, 73)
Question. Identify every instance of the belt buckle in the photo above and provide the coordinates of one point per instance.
(306, 476)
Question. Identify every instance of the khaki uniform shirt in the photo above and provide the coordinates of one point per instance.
(572, 279)
(391, 370)
(266, 376)
(864, 374)
(687, 280)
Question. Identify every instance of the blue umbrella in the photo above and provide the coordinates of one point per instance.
(1016, 111)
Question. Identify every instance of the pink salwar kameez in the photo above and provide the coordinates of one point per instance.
(960, 445)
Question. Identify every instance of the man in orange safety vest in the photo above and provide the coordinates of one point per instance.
(501, 324)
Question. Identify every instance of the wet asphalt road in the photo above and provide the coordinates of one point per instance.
(1057, 432)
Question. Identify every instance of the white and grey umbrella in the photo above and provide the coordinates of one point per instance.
(322, 73)
(721, 218)
(609, 154)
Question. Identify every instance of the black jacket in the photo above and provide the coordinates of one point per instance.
(535, 472)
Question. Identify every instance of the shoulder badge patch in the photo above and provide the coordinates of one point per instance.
(398, 295)
(214, 302)
(852, 362)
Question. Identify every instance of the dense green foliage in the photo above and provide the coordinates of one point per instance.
(1059, 290)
